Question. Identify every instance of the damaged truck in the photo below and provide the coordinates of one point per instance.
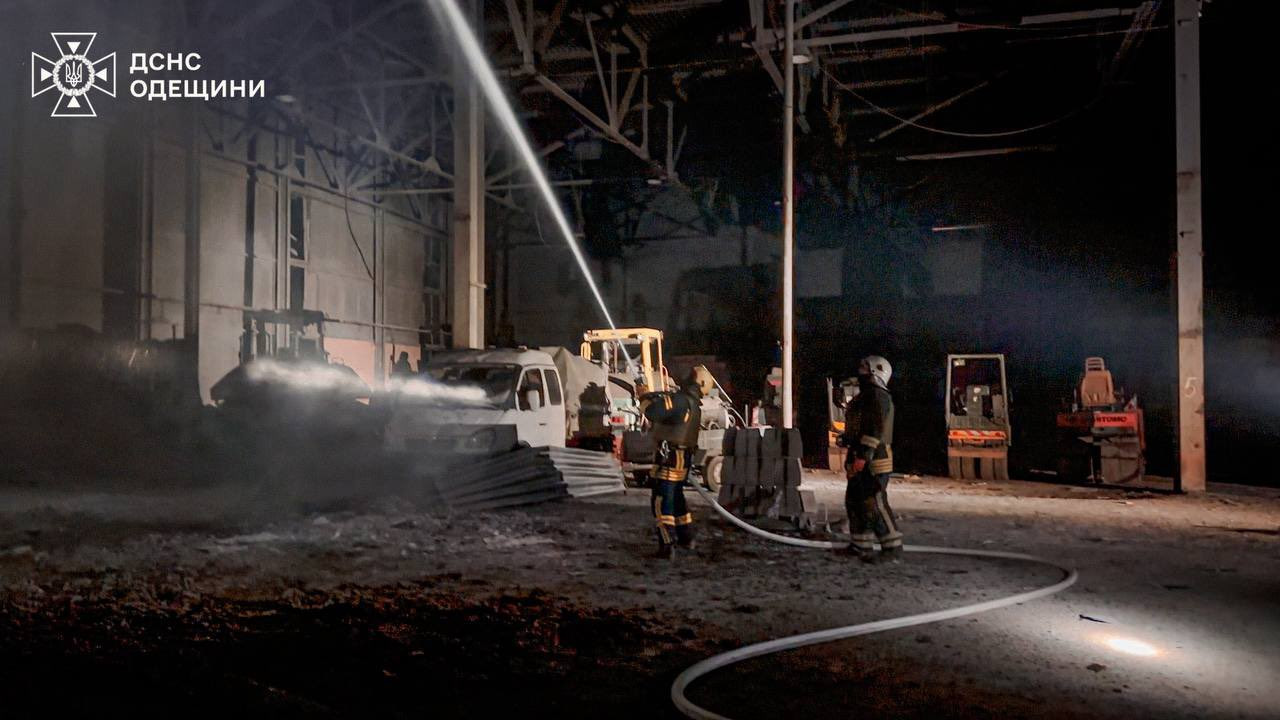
(523, 398)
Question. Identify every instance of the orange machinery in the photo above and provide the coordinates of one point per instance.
(1101, 437)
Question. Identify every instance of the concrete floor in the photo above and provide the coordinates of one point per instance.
(184, 602)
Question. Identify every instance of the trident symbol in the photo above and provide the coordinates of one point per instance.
(75, 73)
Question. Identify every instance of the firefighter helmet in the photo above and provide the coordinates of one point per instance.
(878, 368)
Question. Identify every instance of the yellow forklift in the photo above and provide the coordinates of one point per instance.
(977, 412)
(838, 399)
(632, 355)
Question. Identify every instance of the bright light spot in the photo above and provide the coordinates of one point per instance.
(1131, 646)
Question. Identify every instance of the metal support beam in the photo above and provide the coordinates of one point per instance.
(549, 31)
(430, 167)
(763, 43)
(604, 86)
(521, 35)
(915, 31)
(671, 135)
(516, 167)
(191, 244)
(644, 117)
(821, 13)
(466, 271)
(987, 152)
(874, 35)
(1076, 16)
(604, 127)
(788, 212)
(762, 51)
(1191, 380)
(315, 50)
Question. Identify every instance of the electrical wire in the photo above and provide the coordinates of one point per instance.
(715, 662)
(351, 231)
(957, 133)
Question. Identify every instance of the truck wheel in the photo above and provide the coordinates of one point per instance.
(711, 473)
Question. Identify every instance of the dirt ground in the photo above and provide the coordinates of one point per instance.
(179, 603)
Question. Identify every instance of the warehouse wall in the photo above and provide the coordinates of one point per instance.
(96, 215)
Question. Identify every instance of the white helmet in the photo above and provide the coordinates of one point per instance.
(878, 368)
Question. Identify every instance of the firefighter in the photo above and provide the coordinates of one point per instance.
(401, 367)
(675, 419)
(869, 462)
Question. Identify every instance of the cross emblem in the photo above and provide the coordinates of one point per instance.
(73, 74)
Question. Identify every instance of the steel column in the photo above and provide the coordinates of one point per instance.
(466, 271)
(1191, 436)
(191, 245)
(788, 212)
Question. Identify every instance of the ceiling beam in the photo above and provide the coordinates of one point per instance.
(1078, 15)
(961, 154)
(820, 13)
(661, 8)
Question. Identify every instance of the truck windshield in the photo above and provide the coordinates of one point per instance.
(497, 381)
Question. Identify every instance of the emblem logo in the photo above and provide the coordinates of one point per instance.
(73, 74)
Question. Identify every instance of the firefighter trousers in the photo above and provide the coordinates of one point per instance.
(870, 517)
(675, 522)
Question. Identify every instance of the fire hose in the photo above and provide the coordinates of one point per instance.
(715, 662)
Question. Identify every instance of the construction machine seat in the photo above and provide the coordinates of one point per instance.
(1096, 389)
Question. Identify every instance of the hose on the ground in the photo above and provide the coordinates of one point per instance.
(684, 679)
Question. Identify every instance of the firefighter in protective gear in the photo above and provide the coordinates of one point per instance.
(869, 462)
(675, 419)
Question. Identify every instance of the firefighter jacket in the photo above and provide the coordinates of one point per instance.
(875, 428)
(674, 417)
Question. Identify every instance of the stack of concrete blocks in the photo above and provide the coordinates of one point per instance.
(761, 472)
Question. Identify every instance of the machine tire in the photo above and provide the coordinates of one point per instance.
(955, 467)
(1002, 468)
(986, 468)
(711, 473)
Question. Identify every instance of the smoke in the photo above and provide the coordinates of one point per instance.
(307, 377)
(341, 380)
(424, 388)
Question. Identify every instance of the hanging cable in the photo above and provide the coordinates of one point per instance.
(351, 231)
(957, 133)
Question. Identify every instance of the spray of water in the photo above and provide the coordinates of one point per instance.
(321, 378)
(451, 17)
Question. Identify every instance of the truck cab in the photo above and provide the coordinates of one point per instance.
(523, 404)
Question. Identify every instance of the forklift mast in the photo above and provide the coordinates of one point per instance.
(262, 335)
